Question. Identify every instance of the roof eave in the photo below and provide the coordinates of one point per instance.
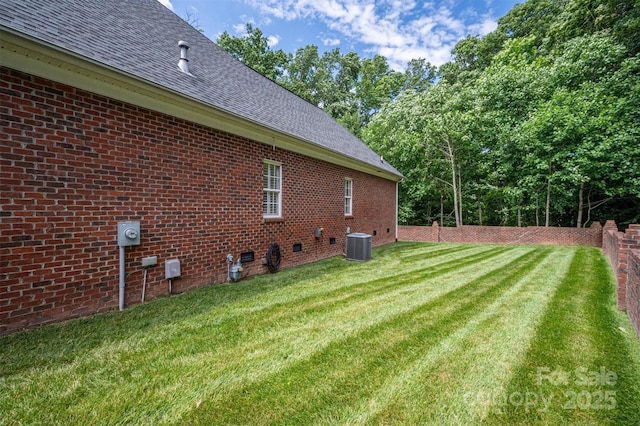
(34, 56)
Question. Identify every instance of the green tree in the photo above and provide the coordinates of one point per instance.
(419, 76)
(621, 18)
(254, 51)
(505, 94)
(582, 132)
(428, 136)
(397, 131)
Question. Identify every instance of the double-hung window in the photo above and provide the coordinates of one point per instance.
(272, 189)
(348, 196)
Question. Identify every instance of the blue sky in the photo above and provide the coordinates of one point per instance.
(400, 30)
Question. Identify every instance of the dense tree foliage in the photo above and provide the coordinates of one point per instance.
(537, 123)
(254, 51)
(349, 88)
(546, 117)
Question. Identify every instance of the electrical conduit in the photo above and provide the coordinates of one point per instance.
(121, 296)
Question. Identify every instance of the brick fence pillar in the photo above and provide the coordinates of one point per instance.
(610, 225)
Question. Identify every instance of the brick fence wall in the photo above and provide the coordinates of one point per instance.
(633, 290)
(503, 234)
(623, 251)
(419, 233)
(74, 164)
(621, 248)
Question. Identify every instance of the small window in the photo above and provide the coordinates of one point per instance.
(348, 196)
(272, 184)
(297, 247)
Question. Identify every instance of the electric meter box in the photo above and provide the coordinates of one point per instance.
(128, 234)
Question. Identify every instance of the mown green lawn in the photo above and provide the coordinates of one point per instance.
(420, 334)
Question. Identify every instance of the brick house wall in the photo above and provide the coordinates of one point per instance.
(503, 234)
(74, 164)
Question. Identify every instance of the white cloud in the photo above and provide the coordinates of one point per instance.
(273, 40)
(331, 41)
(167, 4)
(487, 25)
(240, 28)
(400, 30)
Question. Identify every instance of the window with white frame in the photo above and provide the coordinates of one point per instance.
(348, 196)
(272, 188)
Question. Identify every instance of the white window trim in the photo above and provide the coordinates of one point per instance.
(348, 199)
(277, 190)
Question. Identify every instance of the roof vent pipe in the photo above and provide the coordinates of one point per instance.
(183, 63)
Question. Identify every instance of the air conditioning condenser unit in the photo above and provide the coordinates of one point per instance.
(358, 246)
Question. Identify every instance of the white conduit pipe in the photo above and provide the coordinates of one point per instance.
(121, 296)
(144, 284)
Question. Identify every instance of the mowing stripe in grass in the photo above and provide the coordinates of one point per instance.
(289, 320)
(260, 348)
(457, 256)
(324, 287)
(578, 336)
(346, 295)
(442, 385)
(87, 333)
(240, 322)
(406, 336)
(438, 251)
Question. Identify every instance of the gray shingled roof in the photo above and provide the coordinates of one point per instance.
(140, 37)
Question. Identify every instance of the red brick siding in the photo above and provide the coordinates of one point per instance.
(504, 234)
(74, 164)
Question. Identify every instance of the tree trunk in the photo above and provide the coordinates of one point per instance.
(594, 206)
(580, 205)
(441, 209)
(548, 203)
(455, 193)
(537, 210)
(456, 208)
(480, 212)
(460, 193)
(519, 218)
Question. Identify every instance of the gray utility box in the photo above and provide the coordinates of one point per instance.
(358, 246)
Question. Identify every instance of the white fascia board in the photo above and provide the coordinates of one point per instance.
(33, 56)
